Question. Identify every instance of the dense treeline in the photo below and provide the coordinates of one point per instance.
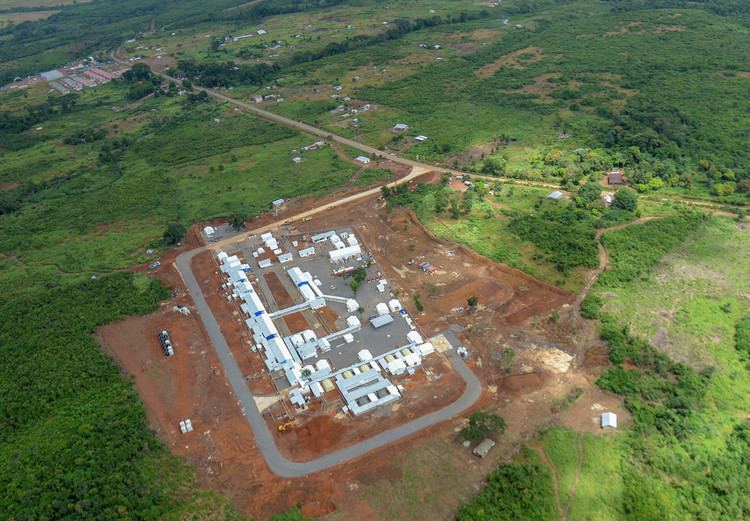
(225, 74)
(16, 122)
(564, 234)
(719, 7)
(398, 29)
(73, 437)
(742, 337)
(514, 491)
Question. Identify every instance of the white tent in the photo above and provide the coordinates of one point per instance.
(609, 419)
(382, 308)
(414, 337)
(352, 321)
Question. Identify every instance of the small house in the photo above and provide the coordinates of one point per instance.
(484, 448)
(296, 160)
(261, 32)
(557, 195)
(400, 127)
(609, 419)
(277, 203)
(615, 177)
(362, 160)
(421, 138)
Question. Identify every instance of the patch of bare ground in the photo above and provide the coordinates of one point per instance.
(623, 29)
(670, 29)
(542, 87)
(514, 60)
(477, 152)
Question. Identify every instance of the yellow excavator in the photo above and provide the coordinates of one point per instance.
(285, 426)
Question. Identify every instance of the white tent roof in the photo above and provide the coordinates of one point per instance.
(609, 419)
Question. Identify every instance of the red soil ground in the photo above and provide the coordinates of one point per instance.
(512, 313)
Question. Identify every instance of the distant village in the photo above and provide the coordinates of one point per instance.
(71, 78)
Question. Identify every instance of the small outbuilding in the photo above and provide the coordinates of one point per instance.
(615, 177)
(484, 448)
(362, 160)
(557, 195)
(400, 127)
(609, 419)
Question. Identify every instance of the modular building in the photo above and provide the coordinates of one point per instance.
(365, 391)
(345, 253)
(320, 237)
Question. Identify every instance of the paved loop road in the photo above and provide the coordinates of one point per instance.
(264, 438)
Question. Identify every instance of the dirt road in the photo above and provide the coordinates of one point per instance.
(309, 129)
(604, 258)
(415, 172)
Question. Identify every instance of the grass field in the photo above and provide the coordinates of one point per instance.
(30, 16)
(561, 474)
(687, 305)
(677, 285)
(486, 231)
(179, 166)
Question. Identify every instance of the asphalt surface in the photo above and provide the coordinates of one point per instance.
(263, 436)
